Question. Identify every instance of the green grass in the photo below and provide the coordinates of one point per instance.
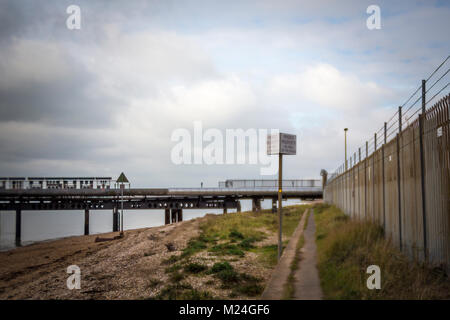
(194, 246)
(229, 236)
(176, 276)
(249, 224)
(220, 266)
(346, 248)
(195, 268)
(227, 249)
(267, 255)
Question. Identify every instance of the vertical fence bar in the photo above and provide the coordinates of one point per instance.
(359, 183)
(383, 176)
(422, 183)
(423, 96)
(375, 142)
(399, 193)
(365, 180)
(373, 176)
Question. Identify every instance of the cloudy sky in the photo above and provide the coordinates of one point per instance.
(107, 98)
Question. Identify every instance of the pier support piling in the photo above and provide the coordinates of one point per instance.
(86, 222)
(18, 227)
(174, 215)
(167, 216)
(238, 209)
(115, 219)
(225, 210)
(274, 205)
(256, 205)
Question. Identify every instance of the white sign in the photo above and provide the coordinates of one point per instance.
(282, 143)
(439, 132)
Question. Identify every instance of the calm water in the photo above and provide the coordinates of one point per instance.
(45, 225)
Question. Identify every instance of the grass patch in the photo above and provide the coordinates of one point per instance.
(194, 245)
(346, 248)
(268, 255)
(241, 283)
(195, 268)
(234, 234)
(227, 249)
(221, 266)
(228, 277)
(171, 259)
(176, 276)
(173, 268)
(228, 237)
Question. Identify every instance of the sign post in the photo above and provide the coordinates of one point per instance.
(122, 180)
(279, 144)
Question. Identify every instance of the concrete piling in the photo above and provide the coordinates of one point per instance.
(86, 222)
(174, 215)
(18, 227)
(256, 205)
(115, 219)
(167, 216)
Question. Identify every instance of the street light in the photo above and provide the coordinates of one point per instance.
(345, 133)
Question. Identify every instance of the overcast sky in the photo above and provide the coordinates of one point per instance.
(106, 98)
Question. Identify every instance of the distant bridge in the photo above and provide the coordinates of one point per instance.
(172, 200)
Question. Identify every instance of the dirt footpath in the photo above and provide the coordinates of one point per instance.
(118, 269)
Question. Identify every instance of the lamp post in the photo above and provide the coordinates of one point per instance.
(345, 134)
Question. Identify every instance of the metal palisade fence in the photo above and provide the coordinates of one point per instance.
(401, 180)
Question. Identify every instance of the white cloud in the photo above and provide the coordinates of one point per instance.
(324, 85)
(35, 61)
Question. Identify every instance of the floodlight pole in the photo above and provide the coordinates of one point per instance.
(280, 213)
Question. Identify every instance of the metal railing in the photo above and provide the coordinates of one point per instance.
(301, 183)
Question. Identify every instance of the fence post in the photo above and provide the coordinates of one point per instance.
(399, 177)
(375, 142)
(365, 180)
(373, 177)
(423, 96)
(383, 175)
(359, 183)
(422, 181)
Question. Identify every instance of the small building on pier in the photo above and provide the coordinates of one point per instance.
(56, 183)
